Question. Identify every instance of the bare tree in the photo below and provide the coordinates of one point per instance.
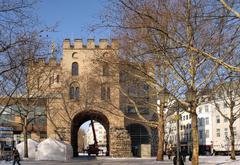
(17, 29)
(26, 84)
(164, 33)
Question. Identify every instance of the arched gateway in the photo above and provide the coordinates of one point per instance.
(79, 88)
(82, 117)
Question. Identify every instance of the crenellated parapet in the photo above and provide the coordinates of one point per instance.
(43, 62)
(78, 44)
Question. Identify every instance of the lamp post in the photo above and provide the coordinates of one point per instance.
(163, 96)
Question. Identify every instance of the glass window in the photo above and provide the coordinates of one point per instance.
(77, 93)
(74, 91)
(105, 69)
(201, 122)
(74, 69)
(226, 133)
(218, 132)
(207, 120)
(200, 110)
(105, 92)
(225, 120)
(218, 119)
(71, 93)
(206, 108)
(207, 133)
(186, 117)
(58, 78)
(235, 131)
(201, 134)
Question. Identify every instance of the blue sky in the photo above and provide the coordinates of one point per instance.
(73, 18)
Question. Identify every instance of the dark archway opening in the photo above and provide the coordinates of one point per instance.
(139, 135)
(83, 117)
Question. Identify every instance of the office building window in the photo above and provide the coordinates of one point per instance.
(225, 120)
(226, 133)
(217, 119)
(201, 134)
(206, 108)
(235, 131)
(218, 133)
(207, 133)
(207, 120)
(200, 110)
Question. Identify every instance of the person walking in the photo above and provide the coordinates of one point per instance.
(169, 153)
(16, 156)
(180, 160)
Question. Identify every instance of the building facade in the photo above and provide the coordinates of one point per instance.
(82, 87)
(214, 134)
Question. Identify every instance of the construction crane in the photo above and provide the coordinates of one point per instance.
(93, 148)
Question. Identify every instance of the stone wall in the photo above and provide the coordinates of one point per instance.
(120, 143)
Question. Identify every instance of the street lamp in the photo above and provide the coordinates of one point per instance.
(164, 96)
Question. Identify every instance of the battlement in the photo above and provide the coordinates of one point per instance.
(44, 62)
(78, 44)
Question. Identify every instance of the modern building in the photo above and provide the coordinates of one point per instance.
(214, 134)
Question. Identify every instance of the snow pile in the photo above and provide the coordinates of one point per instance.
(51, 149)
(32, 146)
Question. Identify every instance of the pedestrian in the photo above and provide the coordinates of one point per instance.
(184, 154)
(180, 159)
(190, 156)
(16, 156)
(169, 153)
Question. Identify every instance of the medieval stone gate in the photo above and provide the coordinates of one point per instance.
(81, 87)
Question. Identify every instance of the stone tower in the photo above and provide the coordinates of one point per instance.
(81, 87)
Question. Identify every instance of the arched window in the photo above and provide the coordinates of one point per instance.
(58, 78)
(77, 93)
(74, 55)
(105, 69)
(74, 91)
(74, 69)
(105, 92)
(71, 92)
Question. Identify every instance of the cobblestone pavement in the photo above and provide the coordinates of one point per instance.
(212, 160)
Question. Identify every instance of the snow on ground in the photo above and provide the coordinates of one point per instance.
(204, 160)
(51, 149)
(32, 146)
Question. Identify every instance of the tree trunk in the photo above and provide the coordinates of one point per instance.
(160, 152)
(195, 140)
(233, 155)
(25, 139)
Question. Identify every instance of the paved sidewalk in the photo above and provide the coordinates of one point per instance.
(210, 160)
